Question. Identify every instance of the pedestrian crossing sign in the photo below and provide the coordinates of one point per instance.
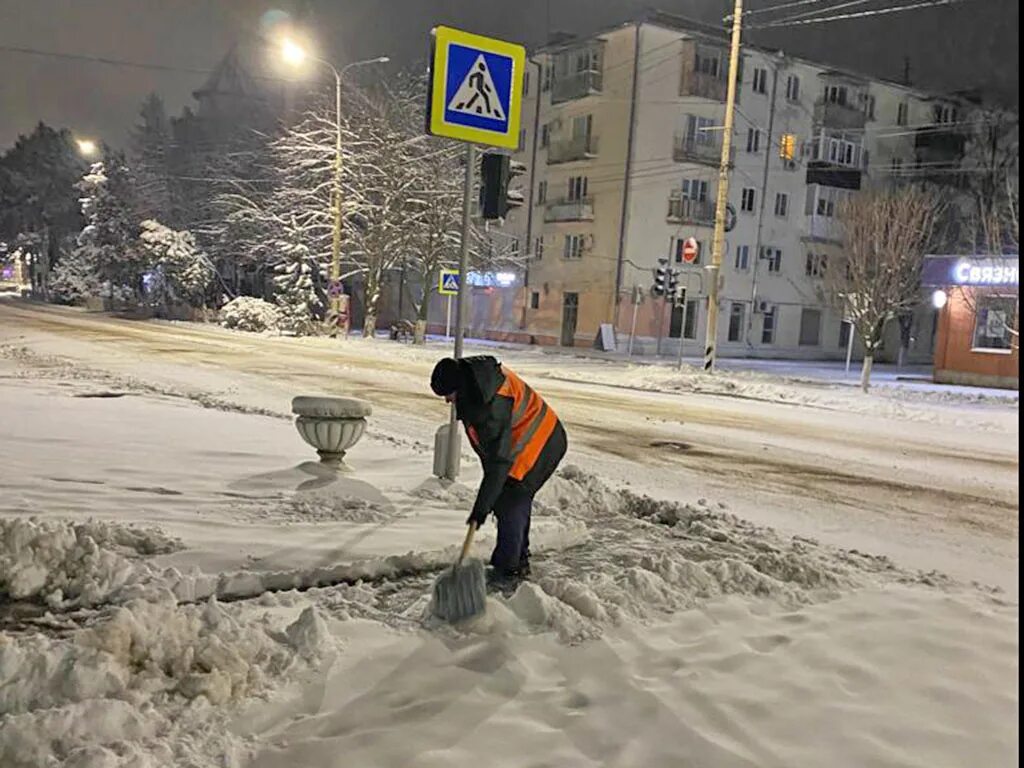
(476, 86)
(448, 282)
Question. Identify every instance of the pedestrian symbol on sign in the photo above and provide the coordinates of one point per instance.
(477, 94)
(448, 284)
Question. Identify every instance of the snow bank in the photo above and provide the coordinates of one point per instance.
(68, 564)
(139, 672)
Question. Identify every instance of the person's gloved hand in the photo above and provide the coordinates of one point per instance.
(478, 519)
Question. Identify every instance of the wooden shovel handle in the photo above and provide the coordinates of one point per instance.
(466, 544)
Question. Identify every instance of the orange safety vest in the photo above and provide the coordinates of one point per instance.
(532, 423)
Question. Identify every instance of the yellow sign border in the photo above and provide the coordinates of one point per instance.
(440, 282)
(436, 125)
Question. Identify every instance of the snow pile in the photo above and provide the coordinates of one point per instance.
(67, 564)
(146, 670)
(645, 557)
(247, 313)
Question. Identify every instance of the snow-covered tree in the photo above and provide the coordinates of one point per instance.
(108, 242)
(295, 281)
(180, 271)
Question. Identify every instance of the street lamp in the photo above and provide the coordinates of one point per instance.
(295, 55)
(86, 147)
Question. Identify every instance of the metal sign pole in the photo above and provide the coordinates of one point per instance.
(682, 337)
(460, 304)
(448, 318)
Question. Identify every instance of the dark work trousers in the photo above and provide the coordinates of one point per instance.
(512, 509)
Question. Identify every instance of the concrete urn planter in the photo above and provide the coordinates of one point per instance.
(332, 425)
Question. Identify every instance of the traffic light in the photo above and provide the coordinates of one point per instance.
(496, 171)
(660, 278)
(673, 283)
(787, 146)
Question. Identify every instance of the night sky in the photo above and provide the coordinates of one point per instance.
(968, 45)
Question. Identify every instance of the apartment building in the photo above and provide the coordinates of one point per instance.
(622, 135)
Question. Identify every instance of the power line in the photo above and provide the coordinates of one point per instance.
(776, 8)
(857, 15)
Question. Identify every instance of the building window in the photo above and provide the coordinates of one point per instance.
(816, 264)
(781, 205)
(577, 187)
(545, 135)
(514, 246)
(836, 94)
(995, 320)
(760, 80)
(902, 113)
(768, 325)
(742, 258)
(845, 329)
(526, 82)
(542, 192)
(573, 247)
(707, 63)
(753, 140)
(868, 102)
(792, 88)
(695, 189)
(522, 139)
(737, 311)
(538, 248)
(535, 300)
(944, 113)
(692, 313)
(546, 81)
(897, 166)
(810, 327)
(774, 258)
(747, 200)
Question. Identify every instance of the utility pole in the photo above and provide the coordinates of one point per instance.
(718, 243)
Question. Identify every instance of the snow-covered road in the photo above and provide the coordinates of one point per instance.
(931, 483)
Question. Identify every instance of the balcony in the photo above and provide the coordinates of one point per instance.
(702, 85)
(576, 85)
(839, 116)
(570, 210)
(940, 143)
(691, 149)
(825, 229)
(569, 150)
(683, 210)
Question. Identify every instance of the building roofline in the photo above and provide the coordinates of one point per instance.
(677, 23)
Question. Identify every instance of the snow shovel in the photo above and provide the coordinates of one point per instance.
(461, 591)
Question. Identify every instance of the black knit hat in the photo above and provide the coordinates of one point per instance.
(446, 378)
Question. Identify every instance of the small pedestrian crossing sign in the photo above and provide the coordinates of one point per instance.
(476, 88)
(448, 282)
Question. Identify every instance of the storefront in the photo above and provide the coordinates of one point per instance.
(977, 339)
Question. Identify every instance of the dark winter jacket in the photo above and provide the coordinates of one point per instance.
(517, 436)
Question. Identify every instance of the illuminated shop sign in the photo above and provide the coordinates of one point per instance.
(986, 273)
(946, 271)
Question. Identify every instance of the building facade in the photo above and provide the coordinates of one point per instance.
(622, 135)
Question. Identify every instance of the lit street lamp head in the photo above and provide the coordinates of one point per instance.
(86, 147)
(292, 53)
